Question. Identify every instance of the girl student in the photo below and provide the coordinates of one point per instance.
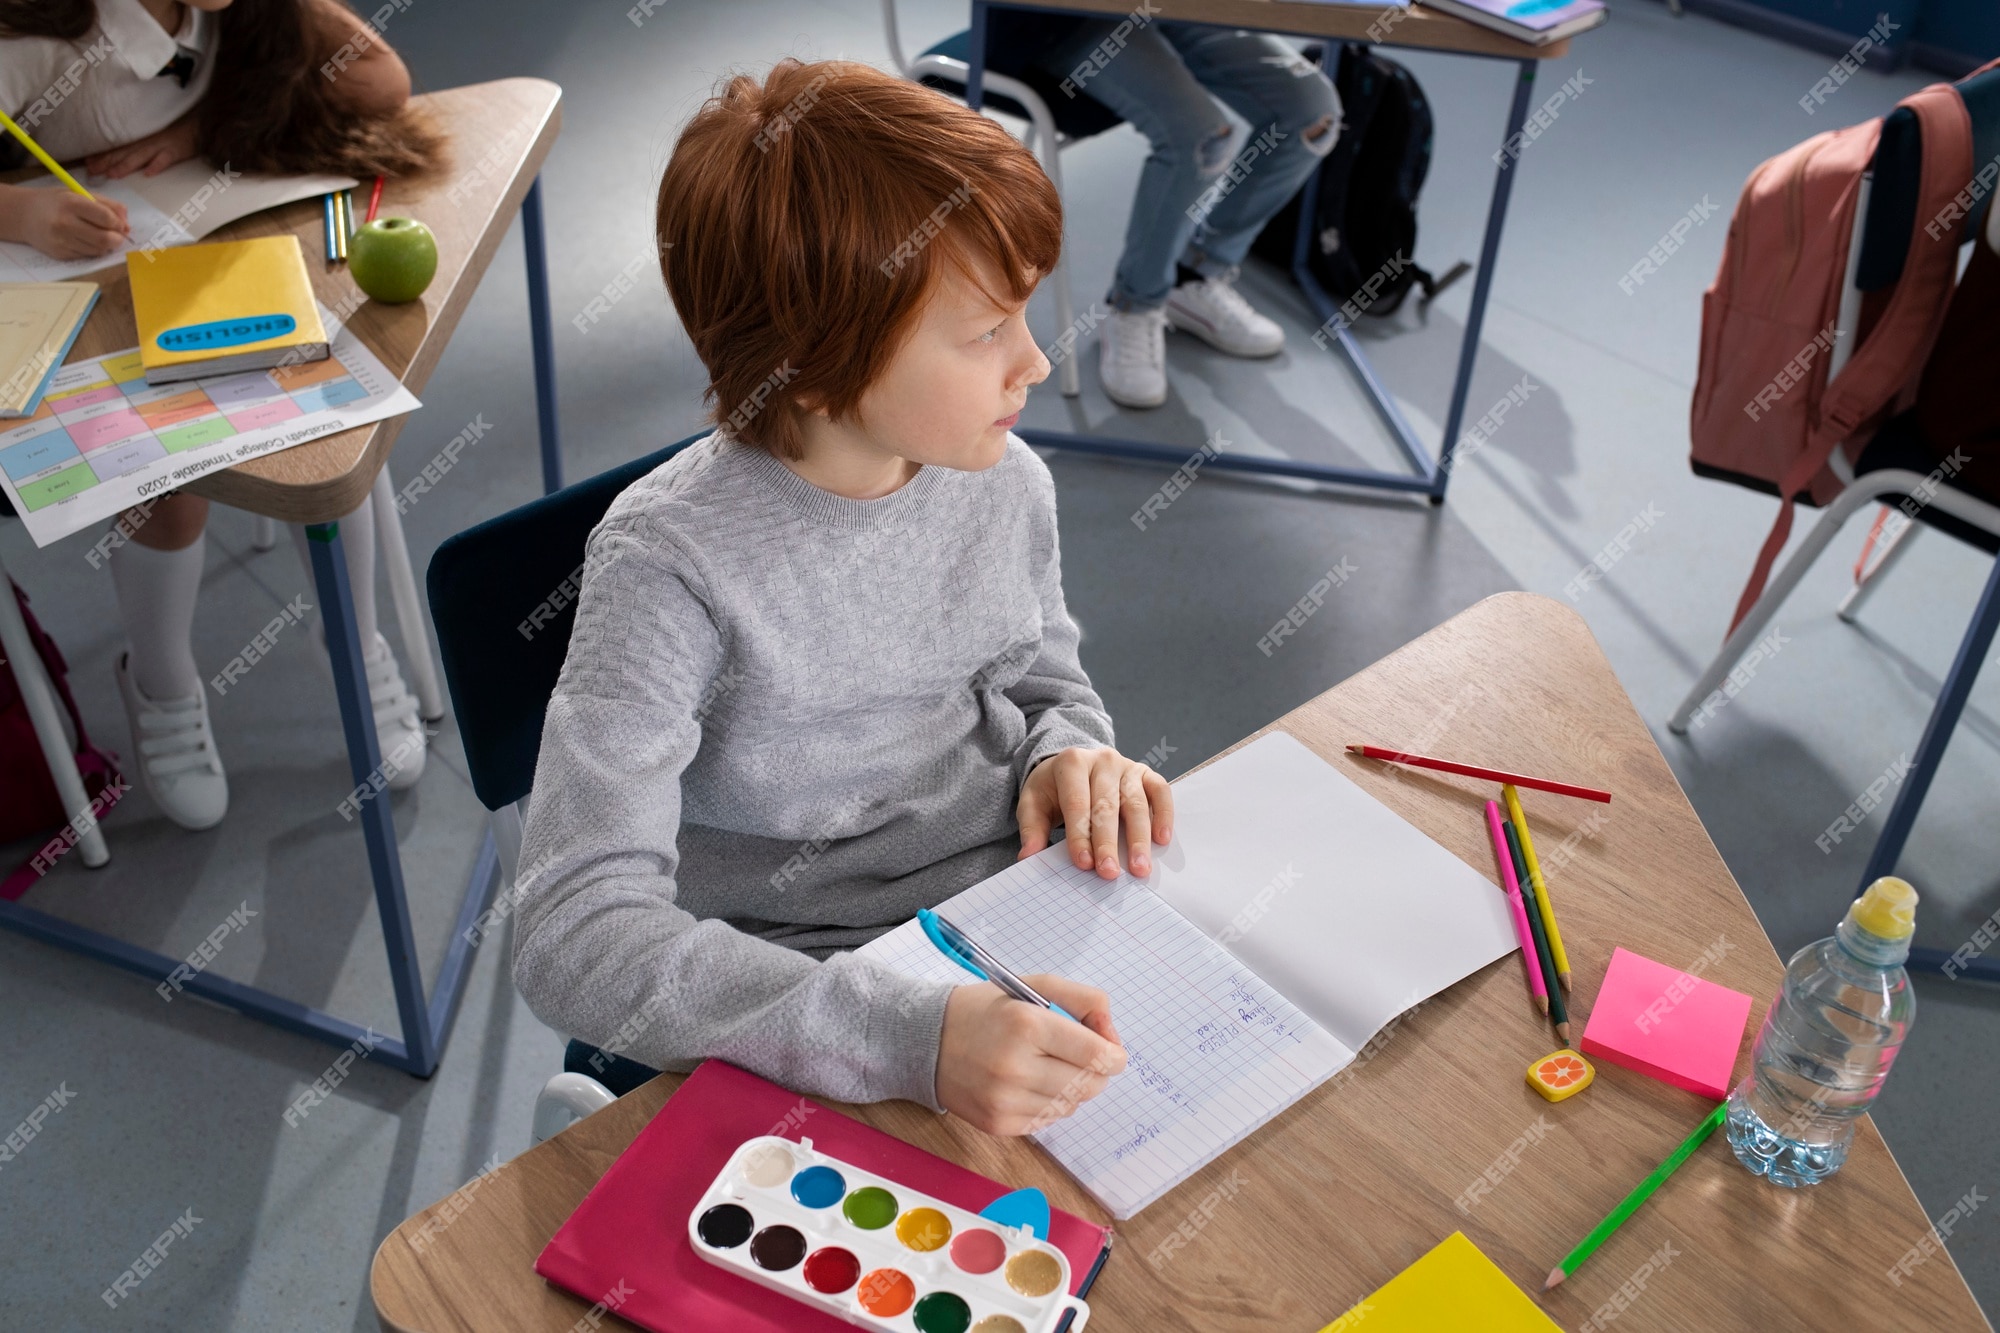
(268, 86)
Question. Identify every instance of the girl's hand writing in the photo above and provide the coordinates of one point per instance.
(62, 224)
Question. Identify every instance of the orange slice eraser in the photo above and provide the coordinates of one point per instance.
(1561, 1075)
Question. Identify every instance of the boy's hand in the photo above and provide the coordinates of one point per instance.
(62, 224)
(1087, 791)
(151, 155)
(1009, 1067)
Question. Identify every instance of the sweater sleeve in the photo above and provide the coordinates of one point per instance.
(601, 950)
(1054, 694)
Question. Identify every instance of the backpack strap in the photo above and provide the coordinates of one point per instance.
(1894, 352)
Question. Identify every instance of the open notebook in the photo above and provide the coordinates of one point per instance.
(1290, 919)
(179, 206)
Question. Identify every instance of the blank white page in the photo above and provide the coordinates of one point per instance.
(1350, 911)
(1214, 1051)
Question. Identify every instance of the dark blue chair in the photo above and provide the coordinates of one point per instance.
(503, 598)
(1015, 89)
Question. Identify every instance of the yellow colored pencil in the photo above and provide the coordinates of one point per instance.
(42, 157)
(340, 227)
(1543, 906)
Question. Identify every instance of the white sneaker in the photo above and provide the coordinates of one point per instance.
(177, 760)
(1132, 358)
(1214, 311)
(399, 732)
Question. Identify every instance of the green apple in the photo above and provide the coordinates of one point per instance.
(393, 259)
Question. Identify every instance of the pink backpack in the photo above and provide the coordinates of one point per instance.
(1762, 405)
(29, 804)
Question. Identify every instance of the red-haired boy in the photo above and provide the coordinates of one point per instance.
(822, 674)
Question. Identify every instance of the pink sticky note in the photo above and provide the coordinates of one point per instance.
(1662, 1021)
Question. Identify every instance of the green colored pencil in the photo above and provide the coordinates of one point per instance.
(1636, 1197)
(1557, 1009)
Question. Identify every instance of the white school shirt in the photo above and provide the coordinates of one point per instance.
(106, 89)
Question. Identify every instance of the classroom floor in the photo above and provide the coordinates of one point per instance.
(178, 1107)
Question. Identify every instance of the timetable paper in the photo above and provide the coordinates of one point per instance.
(1265, 949)
(103, 440)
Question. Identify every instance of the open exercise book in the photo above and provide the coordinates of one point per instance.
(1290, 919)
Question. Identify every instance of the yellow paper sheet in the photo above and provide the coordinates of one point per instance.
(36, 319)
(1453, 1289)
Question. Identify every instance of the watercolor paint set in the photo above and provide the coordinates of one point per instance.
(873, 1252)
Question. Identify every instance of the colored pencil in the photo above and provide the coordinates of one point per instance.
(332, 250)
(1473, 771)
(1512, 886)
(1636, 1197)
(1557, 1009)
(1543, 904)
(42, 157)
(347, 211)
(340, 228)
(374, 200)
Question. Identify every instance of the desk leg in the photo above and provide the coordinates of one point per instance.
(365, 762)
(538, 325)
(975, 57)
(1972, 651)
(1482, 282)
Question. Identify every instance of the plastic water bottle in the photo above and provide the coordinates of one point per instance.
(1828, 1042)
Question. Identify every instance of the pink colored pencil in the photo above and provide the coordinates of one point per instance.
(1529, 958)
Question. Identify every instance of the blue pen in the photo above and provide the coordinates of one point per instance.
(954, 944)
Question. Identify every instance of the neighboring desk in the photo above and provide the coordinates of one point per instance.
(1366, 1169)
(497, 135)
(1413, 26)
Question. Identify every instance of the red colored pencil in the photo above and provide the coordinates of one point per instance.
(1473, 771)
(374, 200)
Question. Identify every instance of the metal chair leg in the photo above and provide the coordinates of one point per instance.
(1857, 596)
(1893, 481)
(1972, 651)
(403, 592)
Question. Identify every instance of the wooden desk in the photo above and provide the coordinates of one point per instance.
(497, 136)
(1361, 1177)
(1431, 29)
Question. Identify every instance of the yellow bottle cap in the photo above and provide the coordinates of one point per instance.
(1887, 910)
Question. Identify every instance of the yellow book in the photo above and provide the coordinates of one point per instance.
(222, 308)
(1453, 1289)
(38, 323)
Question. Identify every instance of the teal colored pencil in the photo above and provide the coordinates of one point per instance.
(1636, 1197)
(1557, 1009)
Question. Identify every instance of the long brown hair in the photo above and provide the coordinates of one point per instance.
(268, 107)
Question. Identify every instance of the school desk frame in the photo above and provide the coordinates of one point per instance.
(426, 1025)
(1429, 476)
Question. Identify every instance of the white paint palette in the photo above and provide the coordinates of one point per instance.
(873, 1252)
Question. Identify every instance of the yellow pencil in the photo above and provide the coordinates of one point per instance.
(1543, 906)
(42, 157)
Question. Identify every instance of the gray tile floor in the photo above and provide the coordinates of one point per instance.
(179, 1106)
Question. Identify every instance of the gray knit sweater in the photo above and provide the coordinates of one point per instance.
(787, 721)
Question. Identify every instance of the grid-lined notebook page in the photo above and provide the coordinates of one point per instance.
(1214, 1052)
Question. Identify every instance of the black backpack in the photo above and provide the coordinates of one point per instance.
(1365, 210)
